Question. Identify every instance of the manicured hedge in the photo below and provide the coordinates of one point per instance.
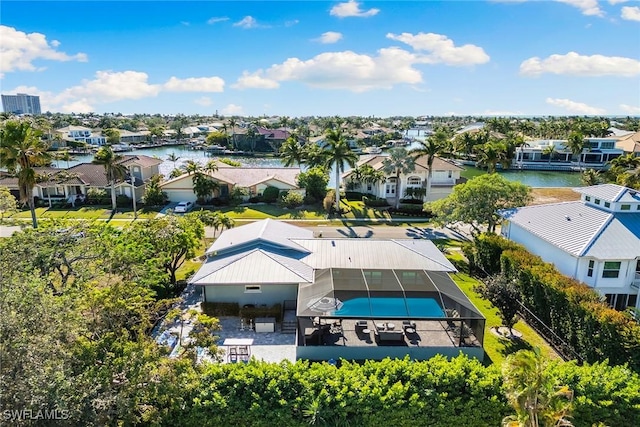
(570, 308)
(437, 392)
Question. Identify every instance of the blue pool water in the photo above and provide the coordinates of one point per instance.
(391, 307)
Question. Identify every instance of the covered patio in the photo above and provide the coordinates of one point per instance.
(416, 311)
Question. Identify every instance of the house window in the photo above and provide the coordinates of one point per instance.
(373, 277)
(607, 204)
(414, 181)
(450, 174)
(252, 289)
(597, 201)
(587, 198)
(611, 269)
(590, 270)
(625, 207)
(369, 187)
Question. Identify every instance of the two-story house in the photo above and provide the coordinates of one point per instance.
(444, 176)
(555, 154)
(595, 240)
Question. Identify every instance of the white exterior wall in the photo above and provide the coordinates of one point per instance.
(269, 294)
(181, 190)
(564, 262)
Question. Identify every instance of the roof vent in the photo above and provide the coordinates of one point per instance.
(568, 218)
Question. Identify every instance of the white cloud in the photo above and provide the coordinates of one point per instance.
(631, 13)
(247, 22)
(630, 109)
(581, 65)
(441, 49)
(588, 7)
(329, 37)
(291, 23)
(501, 113)
(217, 19)
(232, 110)
(18, 50)
(255, 81)
(614, 2)
(342, 70)
(204, 101)
(575, 107)
(110, 86)
(352, 8)
(194, 84)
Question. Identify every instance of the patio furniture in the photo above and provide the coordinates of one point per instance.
(391, 326)
(361, 324)
(265, 324)
(390, 335)
(238, 348)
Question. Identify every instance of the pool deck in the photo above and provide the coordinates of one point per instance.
(426, 333)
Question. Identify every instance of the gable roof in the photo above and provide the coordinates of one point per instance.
(140, 160)
(253, 266)
(610, 193)
(265, 232)
(580, 229)
(630, 143)
(377, 163)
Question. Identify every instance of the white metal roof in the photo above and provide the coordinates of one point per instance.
(374, 254)
(580, 229)
(610, 192)
(254, 266)
(277, 233)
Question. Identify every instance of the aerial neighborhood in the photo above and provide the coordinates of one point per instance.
(331, 242)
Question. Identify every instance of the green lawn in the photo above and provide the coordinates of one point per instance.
(87, 212)
(496, 349)
(270, 211)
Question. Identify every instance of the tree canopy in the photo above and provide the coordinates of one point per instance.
(478, 201)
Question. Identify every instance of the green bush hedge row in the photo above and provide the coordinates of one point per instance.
(437, 392)
(570, 308)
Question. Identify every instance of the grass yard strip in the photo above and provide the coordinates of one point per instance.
(498, 348)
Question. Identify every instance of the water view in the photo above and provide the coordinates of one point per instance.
(531, 178)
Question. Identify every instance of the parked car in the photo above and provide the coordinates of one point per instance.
(183, 207)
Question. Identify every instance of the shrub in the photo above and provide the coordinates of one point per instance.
(97, 196)
(310, 200)
(219, 309)
(411, 201)
(153, 195)
(329, 201)
(409, 210)
(230, 162)
(353, 195)
(270, 194)
(123, 201)
(291, 199)
(238, 195)
(374, 202)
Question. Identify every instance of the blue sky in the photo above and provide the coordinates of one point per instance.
(300, 58)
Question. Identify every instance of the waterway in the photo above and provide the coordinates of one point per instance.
(531, 178)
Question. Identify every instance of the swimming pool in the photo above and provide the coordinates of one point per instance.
(391, 307)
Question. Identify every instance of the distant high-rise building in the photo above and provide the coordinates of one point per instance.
(21, 104)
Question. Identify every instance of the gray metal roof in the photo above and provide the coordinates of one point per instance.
(254, 266)
(580, 229)
(620, 239)
(277, 233)
(610, 192)
(371, 253)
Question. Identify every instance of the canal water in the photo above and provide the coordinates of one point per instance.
(531, 178)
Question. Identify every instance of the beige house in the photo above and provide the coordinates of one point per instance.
(630, 144)
(444, 176)
(67, 184)
(255, 180)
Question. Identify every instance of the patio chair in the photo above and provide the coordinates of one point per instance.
(361, 324)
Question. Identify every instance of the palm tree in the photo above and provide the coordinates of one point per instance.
(430, 148)
(192, 167)
(533, 392)
(64, 155)
(549, 150)
(233, 123)
(338, 152)
(576, 144)
(21, 149)
(173, 157)
(291, 151)
(211, 166)
(113, 167)
(591, 177)
(490, 154)
(399, 162)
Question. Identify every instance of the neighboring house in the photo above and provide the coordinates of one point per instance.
(630, 144)
(81, 134)
(537, 154)
(77, 180)
(128, 137)
(445, 175)
(274, 137)
(339, 292)
(255, 180)
(595, 240)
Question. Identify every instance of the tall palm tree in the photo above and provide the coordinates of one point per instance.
(576, 144)
(338, 153)
(192, 167)
(430, 148)
(490, 154)
(173, 157)
(114, 169)
(211, 166)
(64, 155)
(291, 151)
(21, 149)
(549, 150)
(398, 163)
(233, 122)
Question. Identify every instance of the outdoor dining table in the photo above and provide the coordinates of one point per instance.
(238, 348)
